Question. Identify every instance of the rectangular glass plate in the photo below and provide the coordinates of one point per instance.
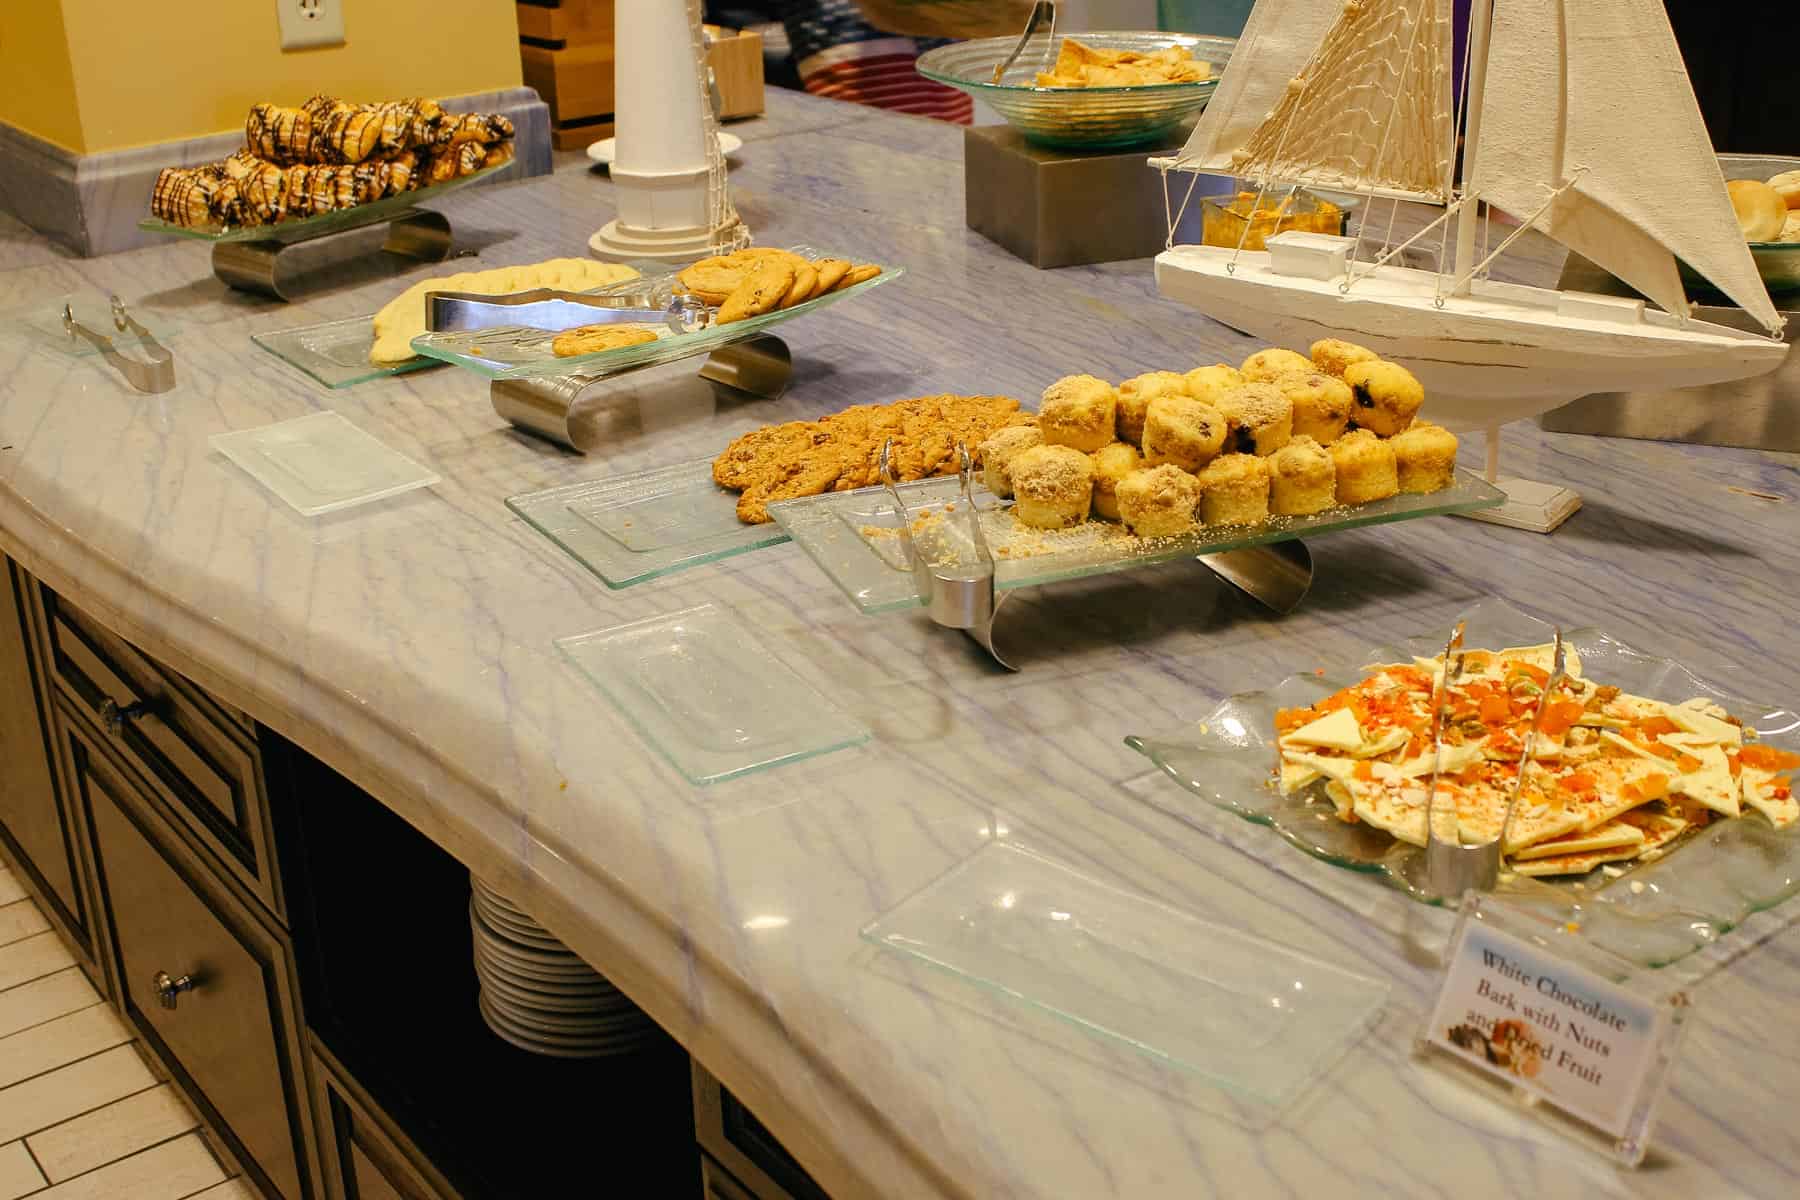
(704, 692)
(872, 570)
(320, 463)
(635, 527)
(1248, 1014)
(514, 353)
(1704, 884)
(336, 353)
(301, 228)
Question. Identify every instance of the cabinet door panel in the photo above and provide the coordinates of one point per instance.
(36, 824)
(231, 1032)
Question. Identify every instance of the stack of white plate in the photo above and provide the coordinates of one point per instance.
(541, 997)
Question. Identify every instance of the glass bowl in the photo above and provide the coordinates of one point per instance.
(1777, 262)
(1080, 118)
(1223, 224)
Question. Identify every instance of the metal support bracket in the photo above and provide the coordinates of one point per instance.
(417, 233)
(760, 366)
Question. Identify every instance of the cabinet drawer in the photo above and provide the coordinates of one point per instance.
(758, 1166)
(231, 1036)
(366, 1158)
(200, 755)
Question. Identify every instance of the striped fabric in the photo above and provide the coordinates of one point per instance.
(841, 56)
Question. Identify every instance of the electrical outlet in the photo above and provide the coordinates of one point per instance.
(306, 24)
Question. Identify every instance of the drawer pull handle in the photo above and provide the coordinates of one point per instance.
(168, 991)
(115, 718)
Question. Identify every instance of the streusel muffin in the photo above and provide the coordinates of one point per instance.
(1053, 486)
(998, 452)
(1182, 432)
(1303, 479)
(1112, 464)
(1210, 383)
(1334, 356)
(1135, 395)
(1078, 411)
(1261, 418)
(1234, 490)
(1365, 468)
(1387, 395)
(1158, 501)
(1425, 458)
(1321, 405)
(1266, 366)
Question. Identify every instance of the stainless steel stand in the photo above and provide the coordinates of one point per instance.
(416, 233)
(546, 407)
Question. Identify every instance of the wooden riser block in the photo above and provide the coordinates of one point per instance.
(575, 24)
(575, 82)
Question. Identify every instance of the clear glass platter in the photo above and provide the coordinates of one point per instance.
(1096, 117)
(336, 353)
(301, 228)
(851, 535)
(704, 692)
(1653, 913)
(1246, 1013)
(321, 463)
(640, 526)
(515, 352)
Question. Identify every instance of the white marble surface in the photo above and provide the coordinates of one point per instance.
(409, 644)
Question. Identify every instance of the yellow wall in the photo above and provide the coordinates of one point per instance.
(181, 68)
(37, 82)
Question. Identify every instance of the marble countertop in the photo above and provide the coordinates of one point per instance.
(409, 644)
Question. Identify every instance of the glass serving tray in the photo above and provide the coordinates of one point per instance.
(514, 352)
(336, 353)
(1654, 913)
(853, 536)
(302, 228)
(1244, 1012)
(650, 523)
(321, 463)
(704, 692)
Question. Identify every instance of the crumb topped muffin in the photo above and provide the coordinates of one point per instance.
(998, 452)
(1260, 417)
(1135, 395)
(1303, 479)
(1425, 458)
(1158, 501)
(1365, 468)
(1078, 411)
(1182, 432)
(1053, 486)
(1234, 490)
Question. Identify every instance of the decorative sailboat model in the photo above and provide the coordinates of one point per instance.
(1578, 120)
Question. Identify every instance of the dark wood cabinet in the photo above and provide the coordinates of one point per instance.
(206, 981)
(38, 831)
(297, 958)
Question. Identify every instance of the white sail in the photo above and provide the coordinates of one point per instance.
(1593, 94)
(1367, 110)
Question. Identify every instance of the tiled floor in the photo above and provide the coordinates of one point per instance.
(81, 1117)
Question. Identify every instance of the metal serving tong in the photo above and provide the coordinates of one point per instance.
(1452, 866)
(947, 552)
(1044, 10)
(553, 311)
(155, 375)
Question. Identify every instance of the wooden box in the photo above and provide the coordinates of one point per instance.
(576, 81)
(570, 23)
(737, 62)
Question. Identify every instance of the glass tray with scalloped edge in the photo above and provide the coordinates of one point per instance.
(336, 353)
(852, 536)
(515, 352)
(301, 229)
(1702, 886)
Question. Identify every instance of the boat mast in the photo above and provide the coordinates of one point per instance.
(1480, 19)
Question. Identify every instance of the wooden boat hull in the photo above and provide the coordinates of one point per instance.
(1505, 353)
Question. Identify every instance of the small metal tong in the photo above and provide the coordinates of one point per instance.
(1044, 10)
(155, 375)
(551, 310)
(947, 551)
